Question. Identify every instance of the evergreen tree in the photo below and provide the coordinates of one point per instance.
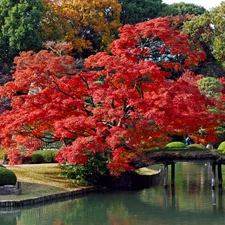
(19, 21)
(182, 8)
(134, 11)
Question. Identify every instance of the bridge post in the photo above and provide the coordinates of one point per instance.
(172, 174)
(220, 179)
(165, 175)
(213, 179)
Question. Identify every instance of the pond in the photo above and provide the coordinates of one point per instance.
(191, 202)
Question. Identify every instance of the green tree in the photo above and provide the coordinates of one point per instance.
(209, 30)
(19, 21)
(134, 11)
(210, 86)
(183, 8)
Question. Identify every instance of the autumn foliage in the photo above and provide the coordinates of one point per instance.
(89, 25)
(118, 105)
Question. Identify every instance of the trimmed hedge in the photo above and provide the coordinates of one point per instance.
(221, 147)
(176, 144)
(44, 156)
(7, 177)
(37, 158)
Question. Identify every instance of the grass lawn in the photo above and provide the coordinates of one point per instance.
(39, 180)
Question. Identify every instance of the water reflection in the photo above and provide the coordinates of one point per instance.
(171, 194)
(191, 201)
(9, 217)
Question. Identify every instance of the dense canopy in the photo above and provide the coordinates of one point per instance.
(19, 22)
(118, 105)
(89, 25)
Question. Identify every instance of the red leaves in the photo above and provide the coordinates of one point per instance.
(123, 103)
(155, 40)
(120, 161)
(71, 156)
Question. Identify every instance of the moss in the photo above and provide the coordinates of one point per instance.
(175, 144)
(7, 177)
(196, 146)
(145, 171)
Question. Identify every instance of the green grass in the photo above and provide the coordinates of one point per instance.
(39, 180)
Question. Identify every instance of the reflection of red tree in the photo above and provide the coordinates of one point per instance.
(59, 222)
(116, 219)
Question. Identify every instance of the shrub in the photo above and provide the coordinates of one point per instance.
(49, 155)
(176, 144)
(221, 147)
(37, 158)
(7, 177)
(93, 172)
(44, 156)
(197, 146)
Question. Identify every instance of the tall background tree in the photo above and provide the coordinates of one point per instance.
(89, 25)
(19, 21)
(207, 33)
(210, 66)
(182, 8)
(134, 11)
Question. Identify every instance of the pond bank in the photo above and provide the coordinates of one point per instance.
(46, 198)
(41, 183)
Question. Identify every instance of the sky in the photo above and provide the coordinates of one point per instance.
(207, 4)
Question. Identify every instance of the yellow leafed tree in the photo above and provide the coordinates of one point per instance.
(91, 25)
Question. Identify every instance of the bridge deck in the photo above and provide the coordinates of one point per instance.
(169, 156)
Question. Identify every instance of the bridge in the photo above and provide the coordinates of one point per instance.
(171, 157)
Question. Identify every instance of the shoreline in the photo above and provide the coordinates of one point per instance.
(46, 198)
(53, 188)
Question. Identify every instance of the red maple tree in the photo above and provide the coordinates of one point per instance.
(118, 105)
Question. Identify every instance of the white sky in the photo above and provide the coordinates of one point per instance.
(207, 4)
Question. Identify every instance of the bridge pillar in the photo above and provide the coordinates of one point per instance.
(213, 174)
(172, 174)
(220, 179)
(213, 178)
(165, 175)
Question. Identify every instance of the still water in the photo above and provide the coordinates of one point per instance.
(191, 202)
